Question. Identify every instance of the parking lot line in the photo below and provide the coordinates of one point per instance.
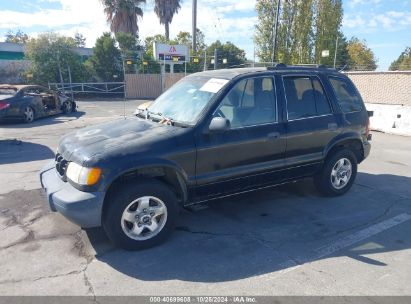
(345, 242)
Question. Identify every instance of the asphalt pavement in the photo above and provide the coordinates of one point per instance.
(287, 240)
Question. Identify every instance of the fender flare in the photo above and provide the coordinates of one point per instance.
(340, 139)
(181, 175)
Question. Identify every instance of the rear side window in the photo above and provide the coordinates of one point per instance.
(305, 97)
(346, 94)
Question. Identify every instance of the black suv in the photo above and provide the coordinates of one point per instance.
(212, 135)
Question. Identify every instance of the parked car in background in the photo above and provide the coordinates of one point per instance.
(213, 134)
(29, 102)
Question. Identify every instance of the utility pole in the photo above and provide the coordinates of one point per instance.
(125, 86)
(205, 60)
(71, 85)
(215, 58)
(61, 75)
(335, 53)
(194, 25)
(275, 31)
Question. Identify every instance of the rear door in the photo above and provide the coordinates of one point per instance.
(311, 125)
(248, 154)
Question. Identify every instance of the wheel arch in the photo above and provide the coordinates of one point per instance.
(168, 174)
(350, 141)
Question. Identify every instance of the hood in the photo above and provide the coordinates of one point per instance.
(117, 137)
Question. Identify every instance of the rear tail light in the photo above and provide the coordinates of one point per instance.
(4, 105)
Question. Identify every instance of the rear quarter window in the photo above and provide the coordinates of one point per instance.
(347, 96)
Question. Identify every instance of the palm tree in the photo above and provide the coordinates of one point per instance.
(123, 15)
(165, 10)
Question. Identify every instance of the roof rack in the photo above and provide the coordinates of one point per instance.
(278, 66)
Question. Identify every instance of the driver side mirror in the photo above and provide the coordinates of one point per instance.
(219, 124)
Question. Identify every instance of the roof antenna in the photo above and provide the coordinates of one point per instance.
(343, 68)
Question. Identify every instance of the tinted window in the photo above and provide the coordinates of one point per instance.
(305, 97)
(249, 102)
(346, 94)
(321, 101)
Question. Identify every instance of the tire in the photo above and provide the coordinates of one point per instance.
(67, 107)
(338, 173)
(155, 206)
(28, 114)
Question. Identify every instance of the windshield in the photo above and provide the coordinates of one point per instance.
(184, 101)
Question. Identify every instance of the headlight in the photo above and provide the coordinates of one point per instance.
(83, 175)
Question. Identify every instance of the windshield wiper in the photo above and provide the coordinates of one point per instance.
(161, 117)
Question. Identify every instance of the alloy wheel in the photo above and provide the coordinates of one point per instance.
(144, 218)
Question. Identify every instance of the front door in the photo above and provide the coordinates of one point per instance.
(248, 154)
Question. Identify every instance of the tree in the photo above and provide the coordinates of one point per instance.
(51, 53)
(286, 41)
(360, 56)
(186, 38)
(295, 31)
(165, 10)
(106, 60)
(234, 55)
(80, 40)
(302, 33)
(342, 58)
(328, 20)
(403, 62)
(18, 37)
(263, 37)
(131, 50)
(123, 15)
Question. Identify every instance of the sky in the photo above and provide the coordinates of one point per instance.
(384, 24)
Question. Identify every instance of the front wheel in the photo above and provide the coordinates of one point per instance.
(140, 214)
(338, 173)
(28, 114)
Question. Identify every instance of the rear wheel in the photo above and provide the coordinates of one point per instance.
(67, 107)
(338, 173)
(140, 214)
(28, 114)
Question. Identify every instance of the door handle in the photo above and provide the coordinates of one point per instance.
(332, 126)
(273, 135)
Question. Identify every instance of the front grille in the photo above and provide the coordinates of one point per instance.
(61, 165)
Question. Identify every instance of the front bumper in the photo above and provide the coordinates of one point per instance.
(82, 208)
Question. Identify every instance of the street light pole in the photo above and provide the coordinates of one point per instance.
(194, 26)
(275, 31)
(215, 58)
(335, 53)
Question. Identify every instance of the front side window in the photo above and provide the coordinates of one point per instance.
(305, 97)
(346, 94)
(250, 102)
